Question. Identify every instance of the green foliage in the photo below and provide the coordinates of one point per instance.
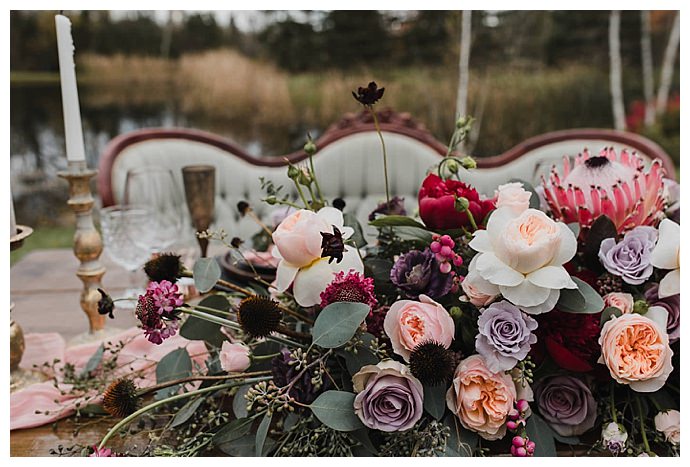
(335, 410)
(584, 299)
(93, 361)
(608, 312)
(206, 274)
(200, 329)
(435, 400)
(542, 435)
(177, 364)
(337, 323)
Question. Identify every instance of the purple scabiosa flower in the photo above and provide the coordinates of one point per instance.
(156, 311)
(166, 295)
(671, 305)
(396, 207)
(505, 335)
(418, 273)
(631, 257)
(350, 287)
(566, 403)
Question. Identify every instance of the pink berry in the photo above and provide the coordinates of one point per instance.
(530, 447)
(445, 267)
(435, 247)
(446, 251)
(513, 414)
(518, 441)
(519, 452)
(511, 425)
(446, 240)
(522, 405)
(457, 260)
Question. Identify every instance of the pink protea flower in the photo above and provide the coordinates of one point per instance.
(350, 287)
(607, 184)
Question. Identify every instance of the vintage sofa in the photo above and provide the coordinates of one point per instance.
(348, 164)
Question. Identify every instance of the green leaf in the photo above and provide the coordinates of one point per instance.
(232, 431)
(413, 234)
(206, 274)
(664, 400)
(584, 299)
(362, 437)
(570, 440)
(337, 323)
(534, 199)
(176, 364)
(261, 434)
(575, 227)
(93, 361)
(601, 229)
(335, 409)
(350, 220)
(198, 329)
(540, 432)
(608, 312)
(239, 403)
(186, 412)
(461, 442)
(364, 356)
(396, 221)
(435, 400)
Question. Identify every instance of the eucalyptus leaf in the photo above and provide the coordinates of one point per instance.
(542, 435)
(601, 229)
(435, 400)
(362, 437)
(200, 329)
(608, 312)
(584, 299)
(261, 434)
(177, 364)
(206, 274)
(239, 403)
(93, 361)
(396, 221)
(186, 412)
(232, 431)
(357, 238)
(244, 446)
(364, 356)
(337, 323)
(569, 440)
(335, 409)
(413, 234)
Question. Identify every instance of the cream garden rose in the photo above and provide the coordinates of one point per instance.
(636, 351)
(481, 399)
(521, 254)
(666, 255)
(298, 247)
(513, 196)
(409, 323)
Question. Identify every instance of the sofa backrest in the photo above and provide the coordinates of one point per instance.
(348, 164)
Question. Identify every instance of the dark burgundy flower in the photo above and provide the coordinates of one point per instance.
(374, 322)
(105, 304)
(671, 305)
(284, 370)
(368, 96)
(437, 201)
(332, 245)
(571, 339)
(396, 207)
(418, 273)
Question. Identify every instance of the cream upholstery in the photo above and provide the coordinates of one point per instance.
(350, 168)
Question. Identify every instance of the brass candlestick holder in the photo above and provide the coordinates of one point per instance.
(88, 247)
(200, 192)
(19, 378)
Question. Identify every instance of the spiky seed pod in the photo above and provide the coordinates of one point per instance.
(121, 399)
(431, 363)
(259, 316)
(164, 267)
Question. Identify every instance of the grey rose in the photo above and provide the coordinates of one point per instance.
(567, 404)
(630, 258)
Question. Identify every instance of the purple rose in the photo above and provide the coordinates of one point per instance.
(418, 273)
(630, 258)
(389, 398)
(505, 335)
(567, 404)
(670, 304)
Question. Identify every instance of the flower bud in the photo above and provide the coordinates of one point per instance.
(461, 204)
(293, 172)
(468, 162)
(640, 307)
(310, 147)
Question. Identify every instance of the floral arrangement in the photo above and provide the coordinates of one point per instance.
(528, 321)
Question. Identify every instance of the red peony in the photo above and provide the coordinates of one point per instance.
(437, 203)
(571, 339)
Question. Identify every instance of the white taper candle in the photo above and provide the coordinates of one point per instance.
(74, 139)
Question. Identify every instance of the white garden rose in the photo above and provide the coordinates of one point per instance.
(298, 247)
(666, 255)
(513, 196)
(522, 254)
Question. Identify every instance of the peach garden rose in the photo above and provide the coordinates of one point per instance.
(521, 254)
(636, 351)
(298, 247)
(409, 323)
(481, 399)
(620, 300)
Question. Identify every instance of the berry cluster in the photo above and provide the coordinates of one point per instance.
(521, 445)
(442, 247)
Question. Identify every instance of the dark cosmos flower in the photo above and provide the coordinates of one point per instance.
(105, 304)
(332, 245)
(368, 96)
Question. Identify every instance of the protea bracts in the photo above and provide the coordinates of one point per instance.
(618, 187)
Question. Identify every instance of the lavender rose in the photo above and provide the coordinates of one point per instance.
(389, 398)
(505, 335)
(671, 305)
(567, 404)
(631, 257)
(417, 273)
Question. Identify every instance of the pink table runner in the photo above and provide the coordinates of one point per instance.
(138, 354)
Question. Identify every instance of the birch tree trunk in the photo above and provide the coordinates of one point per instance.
(464, 67)
(616, 73)
(667, 66)
(647, 68)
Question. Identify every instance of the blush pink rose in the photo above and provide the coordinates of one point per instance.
(635, 349)
(622, 301)
(481, 399)
(298, 237)
(234, 357)
(409, 323)
(513, 196)
(478, 291)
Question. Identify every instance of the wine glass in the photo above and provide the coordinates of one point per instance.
(154, 189)
(120, 225)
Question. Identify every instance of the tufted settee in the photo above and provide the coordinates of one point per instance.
(348, 163)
